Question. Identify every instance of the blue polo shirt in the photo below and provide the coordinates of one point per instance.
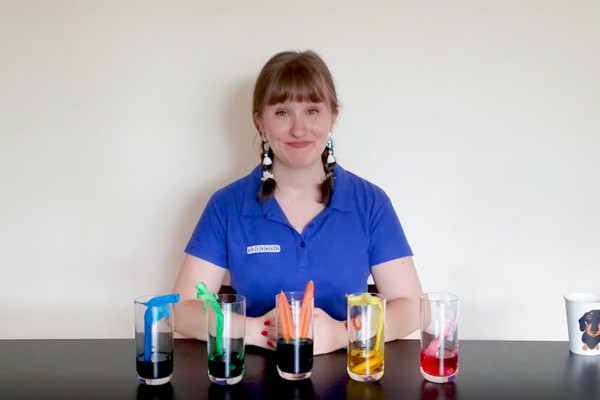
(265, 254)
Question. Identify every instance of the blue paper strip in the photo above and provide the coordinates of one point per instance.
(158, 308)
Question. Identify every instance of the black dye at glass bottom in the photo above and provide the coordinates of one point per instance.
(227, 365)
(157, 371)
(295, 358)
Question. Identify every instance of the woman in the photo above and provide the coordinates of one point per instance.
(299, 217)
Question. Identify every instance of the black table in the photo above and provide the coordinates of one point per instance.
(105, 369)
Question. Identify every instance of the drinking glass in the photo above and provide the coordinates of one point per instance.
(294, 335)
(154, 338)
(439, 337)
(226, 345)
(366, 342)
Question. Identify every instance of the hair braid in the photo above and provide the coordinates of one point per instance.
(267, 188)
(327, 184)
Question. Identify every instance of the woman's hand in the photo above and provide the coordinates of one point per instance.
(261, 331)
(329, 333)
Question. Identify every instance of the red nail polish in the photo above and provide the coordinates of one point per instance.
(264, 333)
(267, 323)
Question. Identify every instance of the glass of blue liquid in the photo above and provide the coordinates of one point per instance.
(154, 338)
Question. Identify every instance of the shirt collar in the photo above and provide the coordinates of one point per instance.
(342, 191)
(250, 203)
(340, 199)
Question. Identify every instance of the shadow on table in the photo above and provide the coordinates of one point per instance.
(363, 391)
(437, 391)
(281, 389)
(582, 376)
(278, 388)
(292, 390)
(227, 392)
(162, 392)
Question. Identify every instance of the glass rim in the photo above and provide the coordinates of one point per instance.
(439, 297)
(296, 295)
(145, 298)
(238, 298)
(290, 292)
(375, 294)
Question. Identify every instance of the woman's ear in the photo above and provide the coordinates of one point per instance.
(334, 115)
(256, 120)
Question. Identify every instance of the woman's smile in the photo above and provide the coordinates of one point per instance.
(299, 144)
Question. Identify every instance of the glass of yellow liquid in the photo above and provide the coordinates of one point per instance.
(366, 344)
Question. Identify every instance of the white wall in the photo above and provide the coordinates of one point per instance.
(119, 119)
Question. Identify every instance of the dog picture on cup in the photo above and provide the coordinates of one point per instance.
(589, 324)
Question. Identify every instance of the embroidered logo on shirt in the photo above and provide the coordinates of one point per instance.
(263, 248)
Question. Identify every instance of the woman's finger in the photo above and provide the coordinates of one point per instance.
(269, 332)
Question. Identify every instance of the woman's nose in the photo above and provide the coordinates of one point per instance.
(298, 128)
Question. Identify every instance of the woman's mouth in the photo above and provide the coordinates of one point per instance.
(299, 144)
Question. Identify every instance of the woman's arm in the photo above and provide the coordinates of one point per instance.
(398, 281)
(190, 322)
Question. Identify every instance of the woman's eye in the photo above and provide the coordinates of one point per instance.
(313, 111)
(281, 113)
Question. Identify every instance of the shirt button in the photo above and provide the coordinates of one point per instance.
(302, 244)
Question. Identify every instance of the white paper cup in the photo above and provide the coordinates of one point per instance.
(583, 322)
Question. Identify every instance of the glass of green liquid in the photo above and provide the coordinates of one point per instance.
(225, 344)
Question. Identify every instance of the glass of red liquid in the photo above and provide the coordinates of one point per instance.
(439, 337)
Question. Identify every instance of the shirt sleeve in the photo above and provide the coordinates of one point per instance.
(209, 239)
(388, 241)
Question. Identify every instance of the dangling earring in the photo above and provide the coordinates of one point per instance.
(330, 144)
(267, 162)
(266, 159)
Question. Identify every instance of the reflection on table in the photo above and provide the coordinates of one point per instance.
(105, 369)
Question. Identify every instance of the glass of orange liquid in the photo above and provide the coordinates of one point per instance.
(366, 343)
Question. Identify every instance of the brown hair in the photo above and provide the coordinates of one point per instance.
(297, 76)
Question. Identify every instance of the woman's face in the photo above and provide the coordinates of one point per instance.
(297, 131)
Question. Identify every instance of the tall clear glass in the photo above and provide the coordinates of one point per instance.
(439, 337)
(294, 336)
(226, 344)
(366, 342)
(153, 340)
